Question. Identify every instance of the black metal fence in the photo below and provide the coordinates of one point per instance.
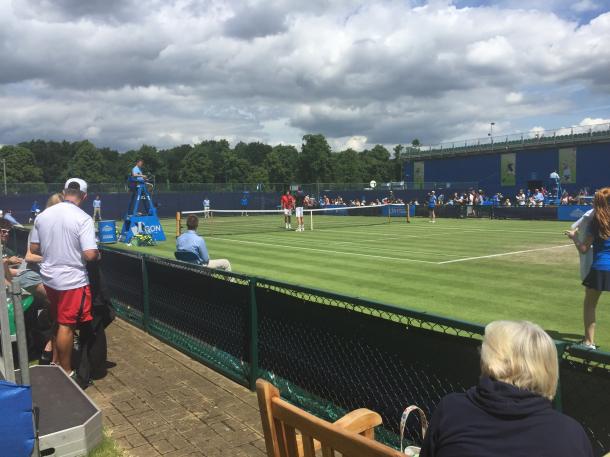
(326, 352)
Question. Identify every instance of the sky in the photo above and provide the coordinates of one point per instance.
(123, 73)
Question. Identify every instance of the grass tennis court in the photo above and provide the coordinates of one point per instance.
(476, 270)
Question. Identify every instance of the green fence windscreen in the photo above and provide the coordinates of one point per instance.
(326, 352)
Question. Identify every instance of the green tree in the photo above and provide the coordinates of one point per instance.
(236, 169)
(88, 164)
(281, 164)
(52, 158)
(254, 153)
(20, 165)
(398, 162)
(196, 166)
(113, 165)
(377, 164)
(315, 160)
(172, 158)
(347, 166)
(258, 174)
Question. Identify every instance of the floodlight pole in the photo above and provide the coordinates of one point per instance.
(4, 172)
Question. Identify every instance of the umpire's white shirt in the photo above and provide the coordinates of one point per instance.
(64, 231)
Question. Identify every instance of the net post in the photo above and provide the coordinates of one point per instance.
(178, 216)
(311, 220)
(408, 213)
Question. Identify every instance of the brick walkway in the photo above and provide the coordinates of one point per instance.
(157, 401)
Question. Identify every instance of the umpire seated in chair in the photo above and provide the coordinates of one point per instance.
(191, 248)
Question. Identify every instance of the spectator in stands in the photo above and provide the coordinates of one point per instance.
(8, 215)
(507, 202)
(509, 412)
(521, 198)
(598, 279)
(538, 197)
(64, 235)
(194, 243)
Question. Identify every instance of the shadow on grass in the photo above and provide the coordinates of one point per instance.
(569, 337)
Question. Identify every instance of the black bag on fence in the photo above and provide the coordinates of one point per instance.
(91, 350)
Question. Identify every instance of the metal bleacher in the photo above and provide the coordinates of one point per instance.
(492, 144)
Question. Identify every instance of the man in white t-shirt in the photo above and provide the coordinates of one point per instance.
(64, 235)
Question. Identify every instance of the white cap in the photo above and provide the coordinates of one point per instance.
(82, 184)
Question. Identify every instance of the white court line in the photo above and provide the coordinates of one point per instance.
(298, 239)
(326, 251)
(502, 254)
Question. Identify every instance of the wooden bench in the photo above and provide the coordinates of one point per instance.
(292, 432)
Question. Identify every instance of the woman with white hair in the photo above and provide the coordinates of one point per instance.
(509, 413)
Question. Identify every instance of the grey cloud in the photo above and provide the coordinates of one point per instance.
(162, 72)
(251, 23)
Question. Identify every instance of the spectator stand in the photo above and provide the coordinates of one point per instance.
(44, 411)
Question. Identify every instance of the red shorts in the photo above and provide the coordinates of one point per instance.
(70, 307)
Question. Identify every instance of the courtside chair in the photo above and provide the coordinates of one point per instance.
(351, 436)
(187, 256)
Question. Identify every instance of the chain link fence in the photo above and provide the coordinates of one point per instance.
(326, 352)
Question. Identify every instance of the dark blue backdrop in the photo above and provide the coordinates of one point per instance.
(115, 205)
(592, 168)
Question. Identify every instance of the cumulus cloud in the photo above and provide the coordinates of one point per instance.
(170, 72)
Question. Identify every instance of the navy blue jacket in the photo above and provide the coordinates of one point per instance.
(495, 419)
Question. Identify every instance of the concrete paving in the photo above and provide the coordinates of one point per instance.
(157, 401)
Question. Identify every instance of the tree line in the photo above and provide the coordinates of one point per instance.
(213, 161)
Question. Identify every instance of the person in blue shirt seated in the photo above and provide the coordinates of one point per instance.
(137, 178)
(194, 243)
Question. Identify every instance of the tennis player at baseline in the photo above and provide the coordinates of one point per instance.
(194, 243)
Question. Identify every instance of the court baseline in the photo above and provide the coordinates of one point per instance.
(503, 254)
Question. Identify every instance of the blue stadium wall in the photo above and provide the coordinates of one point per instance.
(592, 168)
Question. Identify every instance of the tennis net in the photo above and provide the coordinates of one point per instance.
(234, 222)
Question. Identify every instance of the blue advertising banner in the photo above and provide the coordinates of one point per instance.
(571, 212)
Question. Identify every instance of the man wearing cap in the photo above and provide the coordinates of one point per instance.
(65, 237)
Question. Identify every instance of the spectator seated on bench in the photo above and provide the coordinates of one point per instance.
(188, 256)
(195, 244)
(352, 435)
